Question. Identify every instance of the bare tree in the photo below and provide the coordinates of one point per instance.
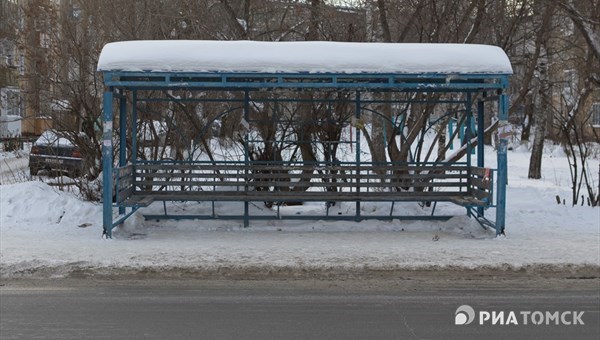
(572, 114)
(585, 24)
(541, 116)
(572, 127)
(527, 30)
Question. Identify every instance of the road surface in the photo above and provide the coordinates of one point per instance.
(286, 309)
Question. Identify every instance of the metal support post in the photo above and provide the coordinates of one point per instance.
(468, 145)
(502, 165)
(357, 115)
(480, 146)
(468, 132)
(107, 162)
(122, 136)
(246, 158)
(451, 123)
(134, 119)
(480, 133)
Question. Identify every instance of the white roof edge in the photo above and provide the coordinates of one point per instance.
(302, 56)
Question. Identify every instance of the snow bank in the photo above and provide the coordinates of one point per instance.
(301, 56)
(33, 206)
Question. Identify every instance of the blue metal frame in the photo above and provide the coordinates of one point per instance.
(131, 82)
(429, 82)
(480, 146)
(107, 162)
(502, 178)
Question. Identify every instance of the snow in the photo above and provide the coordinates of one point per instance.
(51, 138)
(13, 167)
(49, 232)
(302, 56)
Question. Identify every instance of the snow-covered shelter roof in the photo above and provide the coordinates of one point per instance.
(302, 57)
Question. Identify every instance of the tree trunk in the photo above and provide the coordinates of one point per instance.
(541, 119)
(378, 124)
(527, 120)
(487, 121)
(441, 131)
(541, 116)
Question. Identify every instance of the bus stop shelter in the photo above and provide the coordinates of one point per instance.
(247, 76)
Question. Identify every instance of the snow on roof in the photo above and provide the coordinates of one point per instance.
(301, 56)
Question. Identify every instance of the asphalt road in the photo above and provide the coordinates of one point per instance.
(287, 309)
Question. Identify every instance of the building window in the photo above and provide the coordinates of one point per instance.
(44, 40)
(596, 115)
(21, 65)
(570, 86)
(10, 102)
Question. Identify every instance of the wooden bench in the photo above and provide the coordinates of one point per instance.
(141, 184)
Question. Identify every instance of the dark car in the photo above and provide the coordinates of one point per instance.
(55, 153)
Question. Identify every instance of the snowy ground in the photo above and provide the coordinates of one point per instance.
(44, 231)
(13, 167)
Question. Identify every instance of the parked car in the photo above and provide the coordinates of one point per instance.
(54, 153)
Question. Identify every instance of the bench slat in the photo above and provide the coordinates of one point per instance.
(478, 171)
(295, 182)
(233, 183)
(480, 194)
(282, 167)
(124, 194)
(468, 201)
(294, 196)
(124, 171)
(300, 175)
(124, 183)
(487, 185)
